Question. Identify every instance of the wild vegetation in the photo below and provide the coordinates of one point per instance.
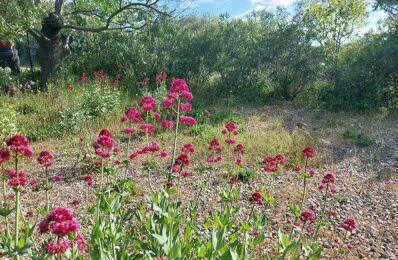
(143, 134)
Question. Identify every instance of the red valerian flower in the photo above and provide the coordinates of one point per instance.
(69, 86)
(349, 224)
(350, 246)
(29, 214)
(153, 147)
(129, 130)
(163, 153)
(230, 141)
(280, 158)
(215, 145)
(168, 102)
(239, 148)
(59, 247)
(81, 243)
(214, 158)
(297, 168)
(89, 179)
(32, 182)
(328, 178)
(106, 132)
(18, 143)
(184, 173)
(160, 77)
(4, 155)
(188, 120)
(238, 160)
(84, 77)
(257, 198)
(321, 186)
(312, 172)
(183, 159)
(307, 216)
(224, 132)
(16, 180)
(206, 113)
(333, 213)
(156, 115)
(167, 124)
(188, 148)
(233, 180)
(185, 106)
(308, 152)
(169, 184)
(147, 103)
(133, 115)
(147, 128)
(11, 196)
(230, 126)
(333, 190)
(57, 178)
(45, 158)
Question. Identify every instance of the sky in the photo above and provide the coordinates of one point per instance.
(240, 8)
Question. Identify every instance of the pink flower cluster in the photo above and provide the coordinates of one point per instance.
(160, 77)
(256, 198)
(307, 216)
(167, 124)
(4, 155)
(215, 149)
(308, 152)
(178, 88)
(328, 180)
(270, 163)
(45, 158)
(103, 145)
(188, 148)
(131, 114)
(349, 224)
(239, 150)
(19, 144)
(147, 128)
(59, 221)
(15, 179)
(153, 147)
(188, 120)
(147, 103)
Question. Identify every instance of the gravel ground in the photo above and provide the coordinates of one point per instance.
(367, 182)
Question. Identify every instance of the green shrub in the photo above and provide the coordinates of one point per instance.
(358, 137)
(8, 121)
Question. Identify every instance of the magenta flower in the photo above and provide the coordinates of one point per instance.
(4, 155)
(307, 216)
(257, 198)
(147, 128)
(188, 148)
(349, 224)
(57, 178)
(45, 158)
(133, 115)
(157, 115)
(328, 178)
(147, 103)
(188, 120)
(167, 124)
(18, 143)
(129, 130)
(185, 106)
(308, 152)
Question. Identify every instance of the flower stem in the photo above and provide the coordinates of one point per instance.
(175, 140)
(100, 190)
(16, 235)
(147, 156)
(5, 201)
(47, 193)
(325, 197)
(127, 157)
(304, 184)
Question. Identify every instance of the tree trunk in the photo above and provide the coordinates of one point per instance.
(52, 48)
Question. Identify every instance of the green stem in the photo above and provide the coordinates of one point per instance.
(5, 202)
(175, 140)
(16, 237)
(100, 191)
(322, 215)
(127, 157)
(47, 193)
(147, 156)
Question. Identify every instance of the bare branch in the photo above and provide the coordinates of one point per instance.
(132, 6)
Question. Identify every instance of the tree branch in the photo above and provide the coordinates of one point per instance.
(148, 5)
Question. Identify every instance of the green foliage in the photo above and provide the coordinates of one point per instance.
(8, 123)
(92, 103)
(358, 137)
